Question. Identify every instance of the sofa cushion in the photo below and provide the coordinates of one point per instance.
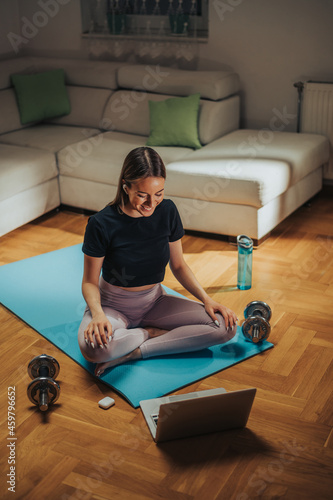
(23, 168)
(302, 152)
(48, 137)
(128, 111)
(174, 122)
(87, 107)
(227, 180)
(107, 154)
(41, 96)
(213, 85)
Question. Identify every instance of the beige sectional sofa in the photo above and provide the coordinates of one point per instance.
(240, 181)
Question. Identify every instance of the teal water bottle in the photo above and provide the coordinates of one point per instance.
(244, 273)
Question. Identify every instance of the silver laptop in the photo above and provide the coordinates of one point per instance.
(201, 412)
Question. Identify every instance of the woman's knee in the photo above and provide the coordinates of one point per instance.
(86, 351)
(123, 342)
(221, 333)
(92, 354)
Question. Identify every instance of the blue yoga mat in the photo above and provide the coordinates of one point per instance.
(45, 292)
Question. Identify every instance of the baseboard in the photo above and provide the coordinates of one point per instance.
(328, 187)
(77, 210)
(224, 237)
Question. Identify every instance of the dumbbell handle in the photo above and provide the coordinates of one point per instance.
(43, 399)
(43, 392)
(256, 331)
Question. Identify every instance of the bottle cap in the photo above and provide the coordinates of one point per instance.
(244, 241)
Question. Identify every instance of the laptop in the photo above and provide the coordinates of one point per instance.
(201, 412)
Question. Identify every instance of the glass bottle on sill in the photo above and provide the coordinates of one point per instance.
(179, 21)
(171, 14)
(116, 19)
(157, 10)
(99, 13)
(141, 18)
(193, 18)
(134, 26)
(143, 9)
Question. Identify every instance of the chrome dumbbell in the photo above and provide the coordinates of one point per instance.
(256, 325)
(43, 390)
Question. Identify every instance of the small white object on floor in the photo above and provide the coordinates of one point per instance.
(106, 403)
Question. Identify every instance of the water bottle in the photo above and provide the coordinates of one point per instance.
(244, 274)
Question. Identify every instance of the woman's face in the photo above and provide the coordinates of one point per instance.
(144, 196)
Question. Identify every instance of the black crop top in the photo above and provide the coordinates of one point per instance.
(136, 249)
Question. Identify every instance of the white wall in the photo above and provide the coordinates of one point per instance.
(270, 43)
(62, 29)
(9, 23)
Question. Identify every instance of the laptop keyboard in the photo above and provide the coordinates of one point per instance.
(154, 416)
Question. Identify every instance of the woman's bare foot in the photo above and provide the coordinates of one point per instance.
(100, 367)
(155, 332)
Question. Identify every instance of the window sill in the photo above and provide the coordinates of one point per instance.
(143, 37)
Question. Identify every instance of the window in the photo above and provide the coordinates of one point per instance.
(186, 19)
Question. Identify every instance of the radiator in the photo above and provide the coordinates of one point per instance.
(317, 115)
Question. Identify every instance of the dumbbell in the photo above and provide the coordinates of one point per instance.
(256, 325)
(43, 390)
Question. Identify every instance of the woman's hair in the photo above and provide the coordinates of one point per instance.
(140, 163)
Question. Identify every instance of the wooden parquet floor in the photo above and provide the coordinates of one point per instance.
(78, 451)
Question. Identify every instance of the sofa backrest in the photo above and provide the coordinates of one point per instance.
(213, 85)
(9, 114)
(114, 96)
(99, 74)
(128, 111)
(87, 107)
(89, 84)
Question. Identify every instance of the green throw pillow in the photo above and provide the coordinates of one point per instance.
(41, 96)
(174, 122)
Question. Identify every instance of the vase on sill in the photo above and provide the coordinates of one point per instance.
(179, 24)
(117, 23)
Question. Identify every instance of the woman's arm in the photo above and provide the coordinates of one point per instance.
(99, 329)
(186, 278)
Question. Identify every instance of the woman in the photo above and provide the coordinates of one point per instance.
(129, 315)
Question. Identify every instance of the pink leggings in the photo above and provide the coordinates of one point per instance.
(190, 327)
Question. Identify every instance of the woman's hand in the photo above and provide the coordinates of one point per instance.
(185, 276)
(98, 332)
(211, 307)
